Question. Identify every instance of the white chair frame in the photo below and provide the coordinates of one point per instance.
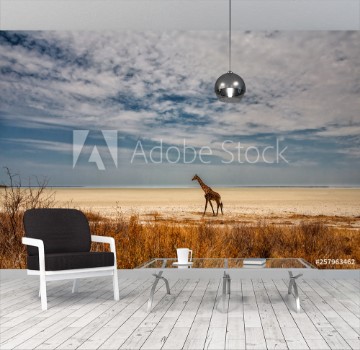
(73, 274)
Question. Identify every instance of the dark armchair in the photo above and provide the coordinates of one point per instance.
(58, 245)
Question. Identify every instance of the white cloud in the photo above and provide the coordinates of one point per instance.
(294, 80)
(40, 144)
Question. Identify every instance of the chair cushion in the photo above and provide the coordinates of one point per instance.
(69, 261)
(62, 230)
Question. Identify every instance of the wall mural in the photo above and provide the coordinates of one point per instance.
(118, 124)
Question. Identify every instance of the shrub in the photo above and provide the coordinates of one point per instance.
(15, 199)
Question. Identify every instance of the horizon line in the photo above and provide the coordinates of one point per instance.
(186, 187)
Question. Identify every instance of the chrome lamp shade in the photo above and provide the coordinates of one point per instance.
(230, 88)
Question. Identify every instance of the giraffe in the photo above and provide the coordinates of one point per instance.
(210, 195)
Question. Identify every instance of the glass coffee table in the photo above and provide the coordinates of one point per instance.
(223, 267)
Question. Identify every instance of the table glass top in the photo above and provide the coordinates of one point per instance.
(232, 263)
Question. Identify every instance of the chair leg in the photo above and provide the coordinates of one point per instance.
(116, 285)
(75, 286)
(43, 293)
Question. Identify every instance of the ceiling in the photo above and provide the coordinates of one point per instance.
(179, 14)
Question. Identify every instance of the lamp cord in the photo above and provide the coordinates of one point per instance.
(229, 35)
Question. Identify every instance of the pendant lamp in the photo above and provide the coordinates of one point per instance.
(230, 87)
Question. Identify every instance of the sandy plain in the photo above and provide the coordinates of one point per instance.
(335, 206)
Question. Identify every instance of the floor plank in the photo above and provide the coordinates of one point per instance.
(179, 333)
(53, 316)
(163, 317)
(99, 330)
(36, 315)
(330, 335)
(199, 329)
(274, 336)
(235, 332)
(341, 297)
(309, 332)
(254, 333)
(161, 332)
(134, 314)
(341, 333)
(346, 315)
(258, 314)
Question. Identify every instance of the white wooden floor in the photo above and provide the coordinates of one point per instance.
(258, 315)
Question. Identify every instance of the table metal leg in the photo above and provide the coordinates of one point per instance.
(293, 285)
(225, 290)
(152, 291)
(226, 284)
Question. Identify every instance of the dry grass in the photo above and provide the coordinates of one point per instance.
(12, 251)
(138, 242)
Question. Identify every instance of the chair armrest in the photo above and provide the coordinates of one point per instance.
(108, 240)
(40, 244)
(104, 239)
(34, 242)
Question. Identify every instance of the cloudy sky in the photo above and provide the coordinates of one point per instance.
(298, 124)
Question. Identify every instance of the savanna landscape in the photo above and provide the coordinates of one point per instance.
(309, 223)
